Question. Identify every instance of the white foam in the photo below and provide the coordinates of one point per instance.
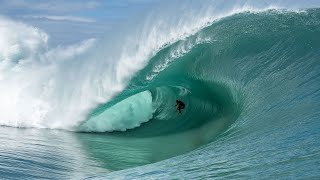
(57, 88)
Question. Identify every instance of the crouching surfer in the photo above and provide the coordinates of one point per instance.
(179, 105)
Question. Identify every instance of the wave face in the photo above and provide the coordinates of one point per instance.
(255, 74)
(249, 78)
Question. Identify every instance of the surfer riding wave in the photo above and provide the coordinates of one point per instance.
(179, 105)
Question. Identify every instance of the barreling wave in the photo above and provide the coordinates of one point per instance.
(253, 72)
(58, 87)
(246, 68)
(243, 65)
(199, 71)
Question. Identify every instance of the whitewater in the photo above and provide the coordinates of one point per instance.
(248, 72)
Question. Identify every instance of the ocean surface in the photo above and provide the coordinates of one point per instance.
(105, 108)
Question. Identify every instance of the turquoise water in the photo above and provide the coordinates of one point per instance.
(251, 86)
(250, 82)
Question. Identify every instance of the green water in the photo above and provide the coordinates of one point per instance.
(214, 72)
(250, 83)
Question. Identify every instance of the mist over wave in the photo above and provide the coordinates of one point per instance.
(56, 88)
(248, 72)
(60, 87)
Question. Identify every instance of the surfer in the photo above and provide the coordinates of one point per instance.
(179, 105)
